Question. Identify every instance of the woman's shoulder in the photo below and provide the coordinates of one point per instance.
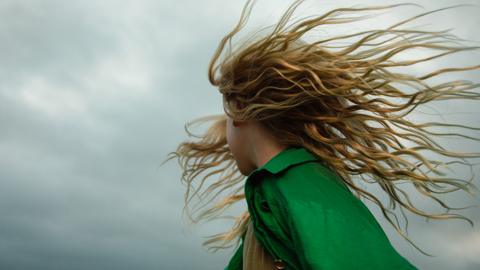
(314, 188)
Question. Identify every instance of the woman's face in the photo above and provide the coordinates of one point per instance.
(237, 139)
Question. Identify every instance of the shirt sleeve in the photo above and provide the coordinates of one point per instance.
(331, 229)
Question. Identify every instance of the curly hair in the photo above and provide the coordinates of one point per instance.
(343, 103)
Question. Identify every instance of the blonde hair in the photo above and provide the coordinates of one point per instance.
(336, 101)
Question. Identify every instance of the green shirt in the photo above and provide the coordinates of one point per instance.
(306, 216)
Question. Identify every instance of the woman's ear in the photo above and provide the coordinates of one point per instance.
(231, 99)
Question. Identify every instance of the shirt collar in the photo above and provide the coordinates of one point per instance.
(286, 158)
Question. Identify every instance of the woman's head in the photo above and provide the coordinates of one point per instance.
(343, 103)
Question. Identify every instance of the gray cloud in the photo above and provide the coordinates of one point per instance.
(94, 94)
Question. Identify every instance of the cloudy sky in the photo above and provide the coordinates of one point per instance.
(94, 94)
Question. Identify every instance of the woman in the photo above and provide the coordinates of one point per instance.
(306, 122)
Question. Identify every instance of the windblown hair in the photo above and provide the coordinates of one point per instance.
(342, 103)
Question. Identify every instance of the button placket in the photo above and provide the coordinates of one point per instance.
(252, 195)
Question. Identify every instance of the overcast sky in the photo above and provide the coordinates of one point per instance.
(94, 94)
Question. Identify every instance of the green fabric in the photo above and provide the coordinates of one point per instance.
(306, 216)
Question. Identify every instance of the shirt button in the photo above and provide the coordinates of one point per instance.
(264, 206)
(279, 264)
